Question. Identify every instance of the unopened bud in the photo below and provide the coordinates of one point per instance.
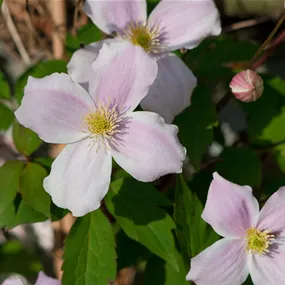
(247, 86)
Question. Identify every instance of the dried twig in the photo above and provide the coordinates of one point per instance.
(14, 33)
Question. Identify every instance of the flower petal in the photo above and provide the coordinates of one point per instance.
(149, 148)
(223, 263)
(81, 61)
(122, 74)
(268, 269)
(16, 280)
(54, 107)
(185, 23)
(80, 177)
(272, 214)
(114, 16)
(45, 280)
(172, 89)
(230, 208)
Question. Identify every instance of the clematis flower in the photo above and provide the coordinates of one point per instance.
(253, 240)
(100, 125)
(41, 280)
(172, 25)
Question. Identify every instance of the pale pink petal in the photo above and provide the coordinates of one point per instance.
(54, 108)
(230, 208)
(172, 89)
(15, 280)
(185, 23)
(45, 280)
(268, 269)
(122, 74)
(149, 148)
(223, 263)
(81, 61)
(114, 15)
(272, 215)
(80, 177)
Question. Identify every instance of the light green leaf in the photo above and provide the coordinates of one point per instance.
(4, 86)
(39, 70)
(195, 131)
(89, 252)
(192, 231)
(9, 176)
(32, 190)
(134, 206)
(6, 117)
(159, 272)
(26, 141)
(241, 166)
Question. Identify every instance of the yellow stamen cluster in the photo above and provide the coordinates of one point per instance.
(258, 241)
(103, 121)
(144, 36)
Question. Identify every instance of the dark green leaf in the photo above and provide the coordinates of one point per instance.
(26, 141)
(31, 188)
(9, 176)
(4, 87)
(46, 162)
(6, 117)
(241, 166)
(57, 213)
(135, 209)
(15, 258)
(158, 272)
(194, 124)
(38, 71)
(89, 252)
(192, 231)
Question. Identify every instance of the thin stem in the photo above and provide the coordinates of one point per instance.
(268, 40)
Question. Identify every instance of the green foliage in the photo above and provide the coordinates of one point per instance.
(135, 207)
(195, 125)
(241, 166)
(89, 252)
(192, 232)
(85, 35)
(4, 87)
(39, 70)
(6, 117)
(159, 272)
(26, 141)
(31, 188)
(10, 174)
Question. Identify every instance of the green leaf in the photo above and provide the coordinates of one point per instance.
(135, 207)
(9, 176)
(6, 117)
(241, 166)
(26, 141)
(195, 131)
(7, 215)
(17, 259)
(57, 213)
(31, 188)
(85, 35)
(193, 233)
(39, 70)
(159, 272)
(89, 252)
(4, 87)
(27, 215)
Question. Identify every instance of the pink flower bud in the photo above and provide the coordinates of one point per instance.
(247, 86)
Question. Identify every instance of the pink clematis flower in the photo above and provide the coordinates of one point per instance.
(41, 280)
(100, 125)
(253, 241)
(172, 25)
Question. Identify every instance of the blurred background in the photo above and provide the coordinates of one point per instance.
(38, 37)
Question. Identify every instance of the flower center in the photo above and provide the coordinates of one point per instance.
(144, 36)
(258, 241)
(103, 121)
